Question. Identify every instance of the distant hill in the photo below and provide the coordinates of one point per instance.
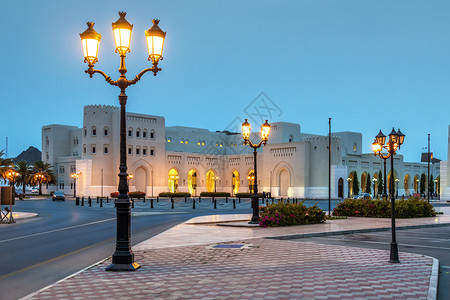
(30, 155)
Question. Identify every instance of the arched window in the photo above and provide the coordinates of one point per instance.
(187, 141)
(94, 131)
(182, 141)
(203, 143)
(152, 134)
(138, 133)
(173, 180)
(144, 133)
(169, 139)
(105, 131)
(130, 132)
(199, 142)
(85, 131)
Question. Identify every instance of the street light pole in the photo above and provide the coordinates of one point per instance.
(396, 139)
(349, 180)
(123, 258)
(75, 177)
(374, 180)
(428, 178)
(265, 130)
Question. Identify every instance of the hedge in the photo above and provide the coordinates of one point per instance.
(131, 194)
(282, 214)
(212, 194)
(412, 207)
(175, 195)
(246, 195)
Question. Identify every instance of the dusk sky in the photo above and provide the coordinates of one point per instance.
(369, 65)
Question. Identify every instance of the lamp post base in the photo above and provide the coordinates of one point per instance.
(123, 267)
(394, 254)
(255, 206)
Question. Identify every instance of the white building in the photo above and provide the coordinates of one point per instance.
(185, 159)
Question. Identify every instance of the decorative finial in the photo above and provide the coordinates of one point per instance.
(122, 14)
(90, 24)
(155, 21)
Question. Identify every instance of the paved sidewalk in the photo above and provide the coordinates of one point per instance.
(183, 263)
(22, 216)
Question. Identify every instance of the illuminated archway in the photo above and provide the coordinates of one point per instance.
(388, 183)
(350, 183)
(375, 186)
(406, 184)
(192, 182)
(173, 181)
(416, 183)
(251, 180)
(363, 182)
(210, 181)
(235, 180)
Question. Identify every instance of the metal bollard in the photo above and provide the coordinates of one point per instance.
(132, 202)
(212, 199)
(234, 203)
(239, 199)
(101, 202)
(157, 199)
(226, 199)
(107, 199)
(193, 203)
(199, 199)
(267, 202)
(215, 204)
(144, 199)
(82, 201)
(90, 201)
(171, 199)
(97, 199)
(151, 202)
(77, 201)
(185, 199)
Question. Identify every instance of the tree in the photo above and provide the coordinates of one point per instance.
(24, 170)
(355, 183)
(368, 184)
(431, 184)
(41, 173)
(5, 166)
(380, 182)
(423, 180)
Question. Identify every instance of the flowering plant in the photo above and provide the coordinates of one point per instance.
(286, 214)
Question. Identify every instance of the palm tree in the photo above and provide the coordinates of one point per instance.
(41, 172)
(23, 169)
(5, 166)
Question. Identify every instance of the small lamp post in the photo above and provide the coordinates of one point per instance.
(374, 180)
(252, 180)
(123, 258)
(417, 185)
(396, 139)
(75, 177)
(396, 187)
(215, 178)
(39, 178)
(246, 130)
(349, 181)
(436, 184)
(129, 177)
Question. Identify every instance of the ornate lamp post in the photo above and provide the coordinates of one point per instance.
(417, 185)
(39, 178)
(396, 139)
(436, 184)
(374, 180)
(265, 130)
(75, 177)
(129, 177)
(349, 181)
(215, 178)
(396, 187)
(123, 258)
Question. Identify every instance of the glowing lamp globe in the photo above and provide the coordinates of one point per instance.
(155, 42)
(90, 40)
(122, 34)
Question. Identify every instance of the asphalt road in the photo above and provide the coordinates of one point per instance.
(433, 242)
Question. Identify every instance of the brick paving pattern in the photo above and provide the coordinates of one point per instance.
(271, 269)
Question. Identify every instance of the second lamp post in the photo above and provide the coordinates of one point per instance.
(246, 130)
(396, 139)
(123, 258)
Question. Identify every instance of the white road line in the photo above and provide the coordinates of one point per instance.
(55, 230)
(383, 243)
(413, 237)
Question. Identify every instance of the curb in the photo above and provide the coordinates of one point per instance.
(61, 280)
(35, 215)
(331, 233)
(434, 280)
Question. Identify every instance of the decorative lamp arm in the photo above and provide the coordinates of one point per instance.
(154, 69)
(91, 71)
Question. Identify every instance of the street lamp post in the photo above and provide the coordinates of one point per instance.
(216, 178)
(436, 184)
(349, 181)
(75, 177)
(265, 130)
(123, 258)
(374, 180)
(396, 139)
(396, 187)
(417, 185)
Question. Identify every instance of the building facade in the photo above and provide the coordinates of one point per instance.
(195, 160)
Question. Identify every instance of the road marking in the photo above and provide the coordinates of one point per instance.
(55, 230)
(51, 260)
(383, 243)
(412, 237)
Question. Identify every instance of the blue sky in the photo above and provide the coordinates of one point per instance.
(369, 65)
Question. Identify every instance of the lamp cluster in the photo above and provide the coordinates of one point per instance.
(396, 139)
(90, 40)
(75, 176)
(246, 130)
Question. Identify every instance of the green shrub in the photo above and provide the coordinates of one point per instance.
(412, 207)
(290, 214)
(136, 195)
(175, 195)
(212, 194)
(114, 194)
(246, 195)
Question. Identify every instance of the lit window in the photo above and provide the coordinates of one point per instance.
(187, 141)
(168, 140)
(182, 141)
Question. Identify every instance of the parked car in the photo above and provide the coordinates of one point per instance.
(362, 196)
(20, 195)
(58, 196)
(35, 191)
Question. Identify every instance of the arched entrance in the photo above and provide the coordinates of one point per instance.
(375, 184)
(192, 182)
(235, 182)
(341, 188)
(416, 183)
(251, 181)
(173, 181)
(284, 180)
(350, 183)
(210, 181)
(388, 183)
(406, 184)
(141, 179)
(363, 182)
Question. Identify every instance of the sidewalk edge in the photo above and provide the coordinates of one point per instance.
(61, 280)
(434, 280)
